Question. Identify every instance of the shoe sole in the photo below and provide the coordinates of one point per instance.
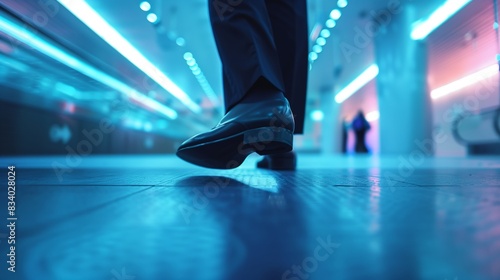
(230, 152)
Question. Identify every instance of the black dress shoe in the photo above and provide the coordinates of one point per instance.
(283, 161)
(264, 127)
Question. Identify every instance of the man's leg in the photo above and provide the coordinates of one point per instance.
(289, 23)
(244, 38)
(258, 118)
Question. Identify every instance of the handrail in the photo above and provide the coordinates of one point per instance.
(496, 123)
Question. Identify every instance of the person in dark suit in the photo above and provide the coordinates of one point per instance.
(360, 126)
(345, 135)
(263, 46)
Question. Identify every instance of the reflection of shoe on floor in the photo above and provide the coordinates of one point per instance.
(265, 127)
(282, 161)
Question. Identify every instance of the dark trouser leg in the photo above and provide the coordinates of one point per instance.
(289, 24)
(244, 38)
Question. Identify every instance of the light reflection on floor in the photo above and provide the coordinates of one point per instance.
(190, 223)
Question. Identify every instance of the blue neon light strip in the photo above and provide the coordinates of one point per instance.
(364, 78)
(36, 42)
(423, 28)
(103, 29)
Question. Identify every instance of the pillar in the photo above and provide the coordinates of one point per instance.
(404, 103)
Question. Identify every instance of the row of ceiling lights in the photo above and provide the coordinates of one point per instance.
(317, 48)
(202, 80)
(421, 29)
(151, 17)
(45, 46)
(190, 61)
(325, 33)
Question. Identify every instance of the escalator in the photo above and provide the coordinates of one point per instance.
(480, 132)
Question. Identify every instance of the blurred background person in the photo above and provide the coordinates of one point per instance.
(360, 126)
(345, 135)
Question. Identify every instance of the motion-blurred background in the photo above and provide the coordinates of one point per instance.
(140, 77)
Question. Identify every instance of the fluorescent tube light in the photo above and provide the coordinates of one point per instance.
(373, 116)
(37, 43)
(369, 74)
(465, 81)
(103, 29)
(422, 28)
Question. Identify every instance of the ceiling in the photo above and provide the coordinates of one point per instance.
(189, 19)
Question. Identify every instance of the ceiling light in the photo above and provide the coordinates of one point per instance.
(317, 115)
(145, 6)
(180, 41)
(317, 49)
(58, 54)
(321, 41)
(188, 56)
(422, 28)
(152, 17)
(330, 23)
(196, 70)
(342, 3)
(335, 14)
(315, 32)
(103, 29)
(313, 56)
(466, 81)
(369, 74)
(372, 116)
(325, 33)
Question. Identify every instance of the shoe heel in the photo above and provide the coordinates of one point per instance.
(269, 140)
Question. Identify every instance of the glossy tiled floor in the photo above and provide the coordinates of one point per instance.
(174, 221)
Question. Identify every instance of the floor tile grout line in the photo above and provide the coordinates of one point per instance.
(82, 212)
